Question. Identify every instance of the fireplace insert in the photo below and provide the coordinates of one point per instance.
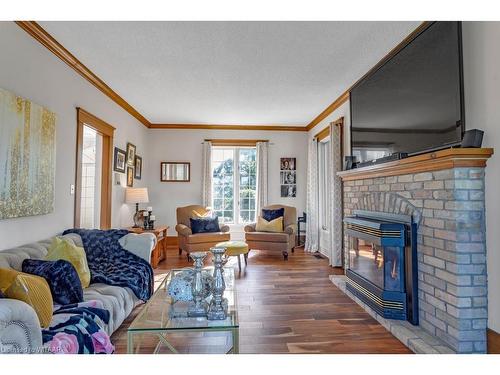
(382, 263)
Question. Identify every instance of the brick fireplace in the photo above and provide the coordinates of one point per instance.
(443, 192)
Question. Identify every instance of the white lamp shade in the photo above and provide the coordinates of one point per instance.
(136, 195)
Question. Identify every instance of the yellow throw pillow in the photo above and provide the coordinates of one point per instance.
(7, 276)
(35, 291)
(201, 214)
(275, 226)
(63, 248)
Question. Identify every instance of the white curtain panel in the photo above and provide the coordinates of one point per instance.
(262, 178)
(207, 174)
(312, 199)
(335, 196)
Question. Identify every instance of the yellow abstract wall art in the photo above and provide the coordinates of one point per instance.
(27, 157)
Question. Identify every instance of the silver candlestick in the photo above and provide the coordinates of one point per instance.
(198, 307)
(217, 309)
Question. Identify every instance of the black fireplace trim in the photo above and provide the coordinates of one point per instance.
(390, 307)
(361, 286)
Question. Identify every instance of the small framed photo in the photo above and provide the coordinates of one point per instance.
(288, 191)
(130, 154)
(288, 177)
(130, 176)
(288, 164)
(119, 162)
(138, 167)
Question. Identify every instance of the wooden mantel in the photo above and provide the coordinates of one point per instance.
(432, 161)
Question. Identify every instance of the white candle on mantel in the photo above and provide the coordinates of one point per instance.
(150, 208)
(152, 218)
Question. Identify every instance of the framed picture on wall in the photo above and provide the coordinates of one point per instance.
(120, 160)
(138, 167)
(288, 191)
(130, 176)
(288, 177)
(288, 164)
(131, 154)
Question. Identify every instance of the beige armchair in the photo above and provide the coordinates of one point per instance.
(190, 242)
(283, 242)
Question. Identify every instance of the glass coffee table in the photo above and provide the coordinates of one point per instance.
(164, 327)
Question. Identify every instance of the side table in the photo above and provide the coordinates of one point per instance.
(160, 251)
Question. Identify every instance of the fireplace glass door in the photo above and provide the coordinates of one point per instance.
(375, 263)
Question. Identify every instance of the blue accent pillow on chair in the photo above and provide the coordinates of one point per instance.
(270, 215)
(61, 276)
(205, 225)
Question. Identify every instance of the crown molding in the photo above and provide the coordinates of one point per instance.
(49, 42)
(345, 95)
(230, 127)
(42, 36)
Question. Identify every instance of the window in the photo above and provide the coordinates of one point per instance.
(234, 186)
(94, 155)
(324, 185)
(90, 209)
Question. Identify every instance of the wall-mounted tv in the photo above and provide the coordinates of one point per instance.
(413, 102)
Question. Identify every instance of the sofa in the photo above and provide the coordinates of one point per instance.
(20, 329)
(190, 242)
(283, 242)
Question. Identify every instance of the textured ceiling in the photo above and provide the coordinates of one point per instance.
(282, 73)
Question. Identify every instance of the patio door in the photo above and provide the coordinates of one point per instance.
(94, 155)
(324, 160)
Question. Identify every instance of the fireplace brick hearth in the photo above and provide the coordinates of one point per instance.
(449, 207)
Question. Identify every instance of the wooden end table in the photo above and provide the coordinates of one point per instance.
(160, 251)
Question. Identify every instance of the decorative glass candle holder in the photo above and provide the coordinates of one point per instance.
(198, 306)
(217, 309)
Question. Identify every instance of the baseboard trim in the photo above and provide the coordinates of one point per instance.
(493, 341)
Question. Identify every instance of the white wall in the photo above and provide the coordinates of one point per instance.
(28, 69)
(185, 145)
(482, 111)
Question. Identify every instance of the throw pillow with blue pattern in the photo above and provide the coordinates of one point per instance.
(61, 276)
(205, 225)
(270, 215)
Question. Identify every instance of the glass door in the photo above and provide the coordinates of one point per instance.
(324, 197)
(91, 169)
(94, 158)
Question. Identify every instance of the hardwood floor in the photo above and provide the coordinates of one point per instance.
(291, 307)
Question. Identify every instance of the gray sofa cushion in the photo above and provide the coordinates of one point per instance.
(119, 301)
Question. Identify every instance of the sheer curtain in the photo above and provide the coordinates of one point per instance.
(335, 195)
(262, 168)
(312, 207)
(207, 174)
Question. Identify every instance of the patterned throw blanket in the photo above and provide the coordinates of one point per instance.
(77, 329)
(111, 264)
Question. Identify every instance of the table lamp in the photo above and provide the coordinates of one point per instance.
(136, 196)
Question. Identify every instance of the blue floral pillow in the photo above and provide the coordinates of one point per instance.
(205, 225)
(61, 276)
(270, 215)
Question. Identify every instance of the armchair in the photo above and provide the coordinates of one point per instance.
(190, 242)
(283, 242)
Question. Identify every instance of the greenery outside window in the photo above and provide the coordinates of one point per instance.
(234, 185)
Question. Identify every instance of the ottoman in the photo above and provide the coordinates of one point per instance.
(235, 248)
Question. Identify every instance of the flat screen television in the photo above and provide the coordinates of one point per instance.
(413, 102)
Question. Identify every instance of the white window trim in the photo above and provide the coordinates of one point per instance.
(236, 185)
